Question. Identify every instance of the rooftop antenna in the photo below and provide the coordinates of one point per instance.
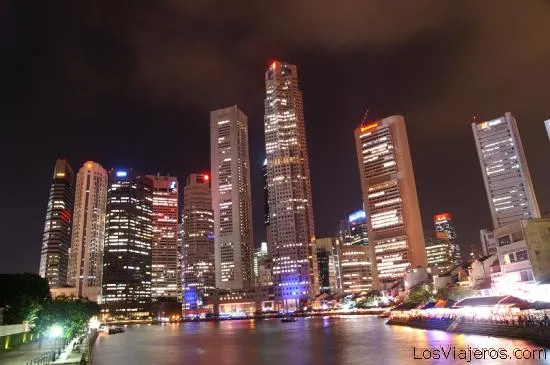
(365, 116)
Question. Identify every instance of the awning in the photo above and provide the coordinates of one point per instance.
(506, 300)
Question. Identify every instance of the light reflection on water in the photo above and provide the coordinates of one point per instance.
(319, 341)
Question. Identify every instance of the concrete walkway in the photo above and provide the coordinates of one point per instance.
(24, 353)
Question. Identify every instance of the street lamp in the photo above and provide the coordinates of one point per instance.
(55, 332)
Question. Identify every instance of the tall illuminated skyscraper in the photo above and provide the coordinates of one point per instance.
(198, 270)
(165, 277)
(396, 238)
(445, 229)
(231, 198)
(547, 125)
(504, 168)
(86, 258)
(291, 224)
(126, 287)
(56, 240)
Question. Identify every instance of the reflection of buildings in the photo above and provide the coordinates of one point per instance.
(56, 240)
(445, 229)
(439, 253)
(86, 259)
(291, 223)
(327, 264)
(165, 278)
(505, 172)
(231, 199)
(354, 254)
(524, 253)
(126, 287)
(389, 193)
(198, 276)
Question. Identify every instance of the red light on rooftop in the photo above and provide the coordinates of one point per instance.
(206, 177)
(442, 217)
(273, 65)
(370, 126)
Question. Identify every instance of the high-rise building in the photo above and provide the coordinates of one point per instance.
(488, 242)
(259, 255)
(86, 257)
(354, 254)
(547, 124)
(266, 194)
(396, 238)
(54, 258)
(126, 286)
(198, 270)
(445, 229)
(231, 198)
(326, 261)
(504, 168)
(291, 223)
(165, 277)
(439, 253)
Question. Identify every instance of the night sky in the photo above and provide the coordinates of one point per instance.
(131, 84)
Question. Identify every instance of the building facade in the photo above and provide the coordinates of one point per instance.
(327, 265)
(439, 253)
(165, 276)
(505, 173)
(56, 240)
(354, 254)
(443, 224)
(395, 232)
(231, 199)
(126, 286)
(198, 270)
(291, 224)
(547, 125)
(488, 242)
(86, 257)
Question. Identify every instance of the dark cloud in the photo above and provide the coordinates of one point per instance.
(131, 82)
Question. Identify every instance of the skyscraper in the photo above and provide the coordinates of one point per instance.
(86, 258)
(291, 222)
(198, 270)
(354, 254)
(445, 229)
(231, 198)
(56, 240)
(547, 124)
(126, 287)
(396, 238)
(327, 265)
(504, 168)
(165, 277)
(439, 253)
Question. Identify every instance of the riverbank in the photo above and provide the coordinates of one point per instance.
(258, 316)
(538, 335)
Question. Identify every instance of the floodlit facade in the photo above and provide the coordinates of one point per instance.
(291, 224)
(198, 270)
(396, 238)
(231, 199)
(165, 276)
(86, 258)
(56, 240)
(444, 224)
(126, 286)
(505, 173)
(524, 255)
(354, 254)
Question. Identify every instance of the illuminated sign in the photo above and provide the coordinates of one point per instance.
(173, 185)
(360, 214)
(368, 127)
(442, 217)
(484, 125)
(60, 174)
(273, 65)
(121, 173)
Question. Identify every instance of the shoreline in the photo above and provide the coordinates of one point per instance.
(539, 336)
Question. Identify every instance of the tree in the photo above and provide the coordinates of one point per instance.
(420, 294)
(22, 295)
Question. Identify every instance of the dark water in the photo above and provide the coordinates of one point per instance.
(319, 341)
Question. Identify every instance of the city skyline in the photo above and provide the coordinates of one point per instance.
(437, 79)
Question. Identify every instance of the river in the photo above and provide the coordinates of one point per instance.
(319, 341)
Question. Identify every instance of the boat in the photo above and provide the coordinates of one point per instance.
(384, 315)
(288, 319)
(114, 330)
